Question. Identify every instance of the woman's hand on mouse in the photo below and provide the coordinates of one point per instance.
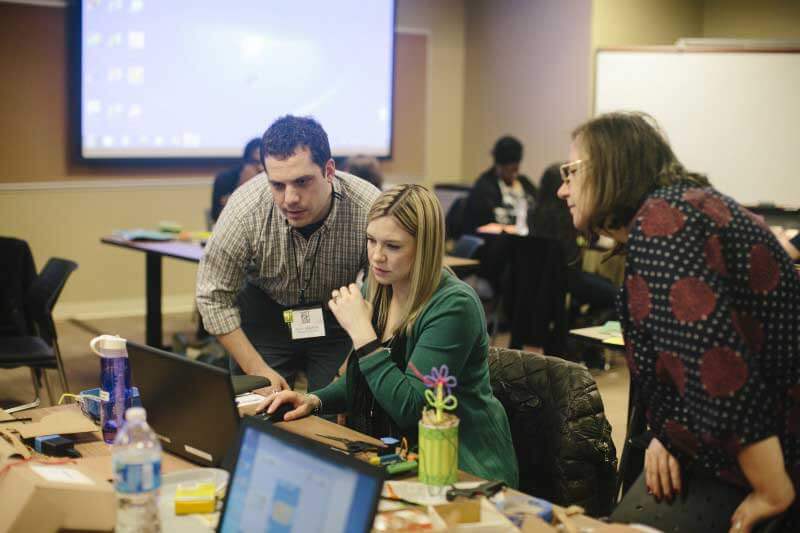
(304, 404)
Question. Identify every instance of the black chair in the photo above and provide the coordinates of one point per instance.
(704, 504)
(40, 351)
(453, 199)
(468, 246)
(562, 439)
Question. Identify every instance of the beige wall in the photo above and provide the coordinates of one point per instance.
(69, 223)
(642, 23)
(443, 21)
(750, 19)
(527, 75)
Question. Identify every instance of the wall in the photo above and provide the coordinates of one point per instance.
(527, 75)
(745, 19)
(62, 209)
(443, 22)
(642, 23)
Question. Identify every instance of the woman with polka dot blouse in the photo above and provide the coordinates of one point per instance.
(710, 310)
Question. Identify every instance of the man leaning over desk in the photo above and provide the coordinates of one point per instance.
(284, 241)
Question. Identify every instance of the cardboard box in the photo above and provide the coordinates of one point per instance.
(44, 498)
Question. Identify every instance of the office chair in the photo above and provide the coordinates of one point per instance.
(40, 351)
(562, 439)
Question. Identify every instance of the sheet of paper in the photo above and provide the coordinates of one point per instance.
(61, 474)
(417, 492)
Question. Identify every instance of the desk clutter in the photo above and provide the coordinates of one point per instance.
(302, 472)
(167, 231)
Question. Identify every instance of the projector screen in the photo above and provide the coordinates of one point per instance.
(734, 116)
(199, 78)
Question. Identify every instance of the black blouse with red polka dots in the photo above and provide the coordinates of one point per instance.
(710, 310)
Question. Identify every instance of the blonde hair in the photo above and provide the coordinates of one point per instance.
(419, 213)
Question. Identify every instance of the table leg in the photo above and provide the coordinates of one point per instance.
(153, 331)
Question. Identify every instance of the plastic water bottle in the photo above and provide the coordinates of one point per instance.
(521, 217)
(136, 457)
(115, 383)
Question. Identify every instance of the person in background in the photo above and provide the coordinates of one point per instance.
(285, 239)
(551, 219)
(228, 181)
(498, 192)
(416, 316)
(710, 311)
(365, 167)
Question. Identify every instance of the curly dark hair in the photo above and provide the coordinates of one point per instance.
(289, 133)
(507, 150)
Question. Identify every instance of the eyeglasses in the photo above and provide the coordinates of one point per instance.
(568, 170)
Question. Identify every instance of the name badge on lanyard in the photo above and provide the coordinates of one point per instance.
(305, 322)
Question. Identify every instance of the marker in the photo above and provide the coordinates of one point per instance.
(401, 467)
(385, 459)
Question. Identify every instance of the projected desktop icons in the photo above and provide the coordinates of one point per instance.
(136, 75)
(135, 40)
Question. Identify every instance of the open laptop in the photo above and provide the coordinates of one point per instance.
(284, 483)
(190, 405)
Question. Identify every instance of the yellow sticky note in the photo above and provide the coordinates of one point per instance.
(193, 498)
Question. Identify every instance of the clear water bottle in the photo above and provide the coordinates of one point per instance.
(136, 457)
(115, 383)
(521, 217)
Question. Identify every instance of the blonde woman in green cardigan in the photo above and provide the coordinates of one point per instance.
(413, 310)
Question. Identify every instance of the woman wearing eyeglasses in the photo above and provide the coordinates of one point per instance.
(710, 310)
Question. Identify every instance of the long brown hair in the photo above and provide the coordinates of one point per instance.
(628, 158)
(419, 213)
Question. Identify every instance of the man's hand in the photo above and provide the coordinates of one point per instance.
(354, 314)
(276, 382)
(662, 471)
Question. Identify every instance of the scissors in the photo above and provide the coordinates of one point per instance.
(488, 489)
(353, 446)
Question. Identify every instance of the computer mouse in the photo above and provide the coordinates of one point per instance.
(282, 409)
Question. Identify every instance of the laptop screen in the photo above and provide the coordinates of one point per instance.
(280, 487)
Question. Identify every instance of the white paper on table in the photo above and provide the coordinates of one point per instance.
(60, 474)
(249, 398)
(423, 494)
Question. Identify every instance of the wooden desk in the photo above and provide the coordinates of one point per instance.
(192, 252)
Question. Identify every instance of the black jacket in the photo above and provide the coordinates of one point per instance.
(559, 429)
(17, 272)
(485, 196)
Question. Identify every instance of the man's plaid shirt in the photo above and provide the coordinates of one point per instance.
(251, 238)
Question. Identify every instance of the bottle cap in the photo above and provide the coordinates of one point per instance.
(136, 414)
(113, 342)
(108, 343)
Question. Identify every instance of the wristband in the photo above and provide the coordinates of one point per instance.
(318, 408)
(368, 348)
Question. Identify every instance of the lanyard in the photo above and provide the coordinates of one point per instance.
(304, 281)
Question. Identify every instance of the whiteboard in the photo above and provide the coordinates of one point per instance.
(734, 116)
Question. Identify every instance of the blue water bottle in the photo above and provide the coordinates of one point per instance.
(115, 383)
